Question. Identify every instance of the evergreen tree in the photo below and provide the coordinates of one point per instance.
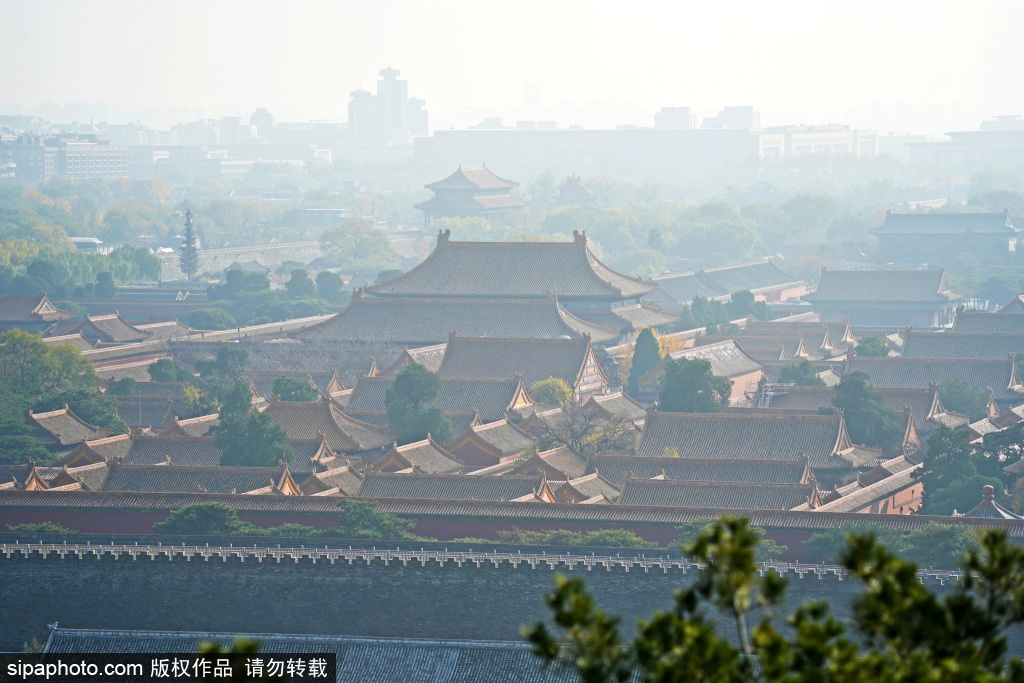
(646, 356)
(869, 422)
(689, 386)
(872, 347)
(802, 374)
(409, 402)
(188, 258)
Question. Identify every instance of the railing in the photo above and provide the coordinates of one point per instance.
(369, 556)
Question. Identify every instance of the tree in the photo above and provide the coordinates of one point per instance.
(125, 386)
(767, 548)
(898, 631)
(211, 319)
(961, 397)
(250, 440)
(34, 368)
(742, 303)
(295, 389)
(933, 545)
(950, 474)
(170, 370)
(105, 287)
(360, 519)
(868, 421)
(329, 285)
(20, 443)
(642, 263)
(689, 386)
(300, 285)
(388, 274)
(40, 528)
(357, 247)
(409, 402)
(646, 356)
(872, 347)
(577, 427)
(204, 519)
(801, 374)
(551, 391)
(188, 257)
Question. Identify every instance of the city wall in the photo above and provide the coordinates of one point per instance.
(337, 590)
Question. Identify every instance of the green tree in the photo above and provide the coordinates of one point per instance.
(357, 247)
(188, 256)
(409, 402)
(34, 368)
(646, 356)
(40, 528)
(868, 421)
(170, 370)
(802, 374)
(642, 263)
(872, 347)
(329, 285)
(899, 631)
(211, 319)
(960, 396)
(204, 519)
(950, 474)
(742, 303)
(251, 441)
(689, 386)
(767, 549)
(125, 386)
(20, 443)
(552, 391)
(360, 519)
(295, 389)
(388, 274)
(300, 285)
(810, 216)
(105, 287)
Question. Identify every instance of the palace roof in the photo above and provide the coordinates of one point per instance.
(619, 404)
(448, 486)
(727, 359)
(502, 437)
(615, 469)
(823, 440)
(113, 371)
(918, 373)
(321, 419)
(586, 487)
(429, 357)
(112, 329)
(959, 346)
(491, 398)
(423, 456)
(176, 479)
(1015, 305)
(988, 508)
(840, 334)
(76, 339)
(719, 283)
(15, 308)
(945, 224)
(626, 318)
(367, 659)
(534, 359)
(431, 321)
(704, 494)
(882, 286)
(513, 270)
(342, 481)
(65, 428)
(149, 411)
(473, 178)
(557, 463)
(193, 426)
(981, 322)
(325, 382)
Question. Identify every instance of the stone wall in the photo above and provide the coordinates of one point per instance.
(395, 599)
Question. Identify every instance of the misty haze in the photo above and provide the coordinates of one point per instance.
(462, 341)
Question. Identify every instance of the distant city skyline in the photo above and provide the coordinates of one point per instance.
(924, 68)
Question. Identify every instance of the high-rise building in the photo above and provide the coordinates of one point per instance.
(674, 118)
(264, 122)
(390, 117)
(733, 117)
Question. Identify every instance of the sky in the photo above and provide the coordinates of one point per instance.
(903, 65)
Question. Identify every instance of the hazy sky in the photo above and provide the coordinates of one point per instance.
(927, 66)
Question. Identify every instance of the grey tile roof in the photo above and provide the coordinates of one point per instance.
(200, 452)
(139, 371)
(534, 359)
(626, 318)
(76, 339)
(695, 494)
(749, 437)
(426, 456)
(164, 330)
(979, 322)
(65, 428)
(594, 484)
(431, 321)
(882, 286)
(358, 659)
(958, 345)
(473, 178)
(148, 411)
(448, 486)
(175, 479)
(112, 328)
(918, 373)
(749, 276)
(726, 357)
(263, 381)
(681, 288)
(513, 270)
(163, 389)
(619, 404)
(503, 436)
(429, 357)
(492, 398)
(614, 468)
(29, 308)
(314, 421)
(944, 224)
